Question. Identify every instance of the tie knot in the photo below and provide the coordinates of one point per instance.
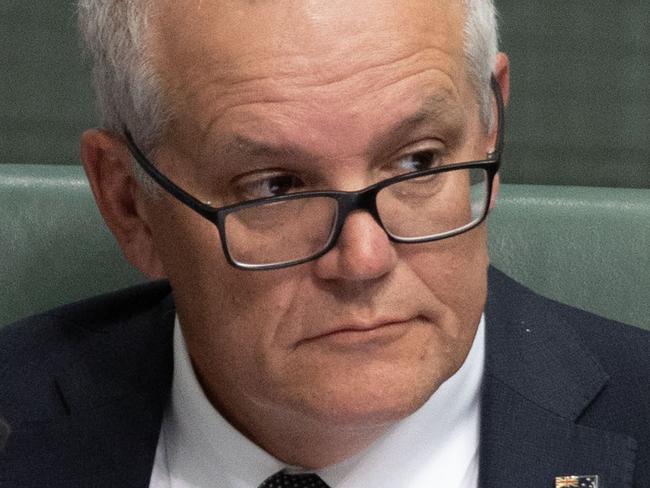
(281, 479)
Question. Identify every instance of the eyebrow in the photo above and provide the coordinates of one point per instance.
(436, 109)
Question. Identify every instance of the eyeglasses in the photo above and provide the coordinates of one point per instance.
(286, 230)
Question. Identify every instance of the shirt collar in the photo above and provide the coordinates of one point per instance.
(438, 444)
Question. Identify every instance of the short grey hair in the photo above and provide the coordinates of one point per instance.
(128, 88)
(130, 92)
(481, 49)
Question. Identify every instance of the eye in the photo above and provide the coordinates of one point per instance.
(262, 185)
(418, 161)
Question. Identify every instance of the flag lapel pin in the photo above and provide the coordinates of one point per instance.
(576, 481)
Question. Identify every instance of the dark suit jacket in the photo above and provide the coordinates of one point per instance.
(83, 388)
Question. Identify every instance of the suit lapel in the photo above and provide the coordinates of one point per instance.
(539, 380)
(112, 393)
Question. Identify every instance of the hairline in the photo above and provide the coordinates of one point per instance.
(141, 106)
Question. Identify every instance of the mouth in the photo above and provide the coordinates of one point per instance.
(377, 333)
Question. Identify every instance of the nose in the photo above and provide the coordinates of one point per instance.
(363, 252)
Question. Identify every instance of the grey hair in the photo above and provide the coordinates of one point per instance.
(130, 92)
(128, 88)
(481, 48)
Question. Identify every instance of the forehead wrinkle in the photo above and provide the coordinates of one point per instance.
(438, 110)
(288, 82)
(384, 71)
(437, 106)
(242, 48)
(211, 127)
(282, 74)
(244, 146)
(375, 71)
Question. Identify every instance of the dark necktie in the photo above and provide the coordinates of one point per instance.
(284, 480)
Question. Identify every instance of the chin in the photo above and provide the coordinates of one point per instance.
(381, 399)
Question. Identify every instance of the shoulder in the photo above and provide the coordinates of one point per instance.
(614, 345)
(49, 331)
(574, 347)
(109, 328)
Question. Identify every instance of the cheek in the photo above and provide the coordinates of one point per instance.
(220, 304)
(234, 321)
(455, 272)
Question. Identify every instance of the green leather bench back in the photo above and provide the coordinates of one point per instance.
(589, 247)
(56, 246)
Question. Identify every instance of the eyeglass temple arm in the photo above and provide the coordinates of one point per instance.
(162, 180)
(501, 121)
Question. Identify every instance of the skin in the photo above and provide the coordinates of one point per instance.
(280, 353)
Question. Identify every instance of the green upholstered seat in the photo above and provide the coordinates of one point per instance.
(56, 246)
(589, 247)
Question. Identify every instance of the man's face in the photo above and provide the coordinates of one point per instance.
(328, 94)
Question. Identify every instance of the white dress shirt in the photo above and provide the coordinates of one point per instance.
(435, 446)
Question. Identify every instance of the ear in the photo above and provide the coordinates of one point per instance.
(121, 201)
(496, 185)
(502, 74)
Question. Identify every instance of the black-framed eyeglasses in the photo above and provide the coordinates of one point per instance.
(286, 230)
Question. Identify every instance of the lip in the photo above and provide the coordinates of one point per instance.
(364, 331)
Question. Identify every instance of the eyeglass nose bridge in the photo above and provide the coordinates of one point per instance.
(350, 202)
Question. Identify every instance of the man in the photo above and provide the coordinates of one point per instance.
(312, 180)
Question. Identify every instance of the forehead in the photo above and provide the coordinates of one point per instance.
(303, 27)
(216, 55)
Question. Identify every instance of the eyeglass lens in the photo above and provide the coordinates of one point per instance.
(415, 209)
(281, 231)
